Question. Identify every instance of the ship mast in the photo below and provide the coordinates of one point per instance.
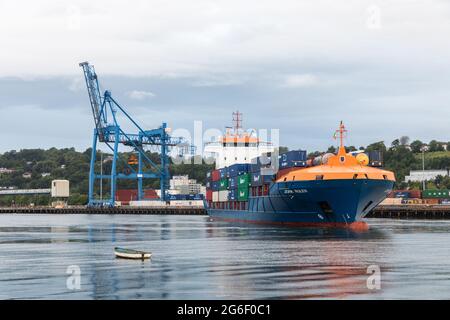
(341, 132)
(237, 122)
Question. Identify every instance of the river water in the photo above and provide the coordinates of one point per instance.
(195, 258)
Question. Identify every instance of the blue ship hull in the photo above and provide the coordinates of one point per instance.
(324, 202)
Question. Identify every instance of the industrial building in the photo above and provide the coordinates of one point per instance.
(424, 175)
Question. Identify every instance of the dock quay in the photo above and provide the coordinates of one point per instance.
(97, 210)
(393, 212)
(430, 212)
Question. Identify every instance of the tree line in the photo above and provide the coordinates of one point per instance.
(43, 166)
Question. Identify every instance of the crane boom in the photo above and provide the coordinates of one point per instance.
(95, 98)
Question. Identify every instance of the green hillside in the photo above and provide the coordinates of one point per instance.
(47, 165)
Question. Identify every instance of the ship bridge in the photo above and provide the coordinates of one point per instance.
(236, 146)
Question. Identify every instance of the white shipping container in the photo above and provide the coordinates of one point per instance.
(391, 201)
(215, 196)
(187, 203)
(148, 203)
(60, 188)
(223, 195)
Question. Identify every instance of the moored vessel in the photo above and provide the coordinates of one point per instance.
(131, 254)
(336, 190)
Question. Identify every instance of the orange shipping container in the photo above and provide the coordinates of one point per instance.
(431, 201)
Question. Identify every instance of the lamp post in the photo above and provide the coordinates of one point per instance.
(423, 167)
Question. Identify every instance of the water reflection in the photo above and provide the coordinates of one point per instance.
(195, 258)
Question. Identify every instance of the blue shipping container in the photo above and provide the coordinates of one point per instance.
(171, 197)
(215, 185)
(232, 195)
(237, 169)
(295, 158)
(178, 197)
(402, 195)
(223, 173)
(198, 196)
(233, 182)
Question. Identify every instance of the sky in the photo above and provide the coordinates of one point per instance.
(298, 66)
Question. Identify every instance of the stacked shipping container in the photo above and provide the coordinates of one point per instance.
(419, 197)
(231, 187)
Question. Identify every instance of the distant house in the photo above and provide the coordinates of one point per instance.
(63, 166)
(8, 188)
(6, 170)
(45, 174)
(26, 175)
(107, 159)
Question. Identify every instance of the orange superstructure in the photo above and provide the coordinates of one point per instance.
(339, 166)
(238, 138)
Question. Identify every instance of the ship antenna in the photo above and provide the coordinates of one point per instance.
(341, 134)
(237, 121)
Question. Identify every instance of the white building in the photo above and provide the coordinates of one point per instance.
(184, 185)
(60, 189)
(420, 176)
(26, 175)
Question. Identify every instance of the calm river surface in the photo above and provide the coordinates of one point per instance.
(195, 258)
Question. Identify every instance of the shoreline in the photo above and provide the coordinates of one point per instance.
(386, 212)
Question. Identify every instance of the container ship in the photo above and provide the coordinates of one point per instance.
(252, 183)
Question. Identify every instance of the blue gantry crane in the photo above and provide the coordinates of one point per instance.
(107, 130)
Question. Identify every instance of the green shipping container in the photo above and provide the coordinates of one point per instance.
(436, 194)
(243, 193)
(223, 184)
(244, 180)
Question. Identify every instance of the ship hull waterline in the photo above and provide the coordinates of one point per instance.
(324, 203)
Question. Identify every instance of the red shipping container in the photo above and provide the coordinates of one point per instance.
(127, 195)
(415, 194)
(260, 191)
(215, 175)
(209, 195)
(265, 190)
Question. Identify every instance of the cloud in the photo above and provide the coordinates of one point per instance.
(77, 84)
(219, 81)
(300, 80)
(140, 95)
(225, 36)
